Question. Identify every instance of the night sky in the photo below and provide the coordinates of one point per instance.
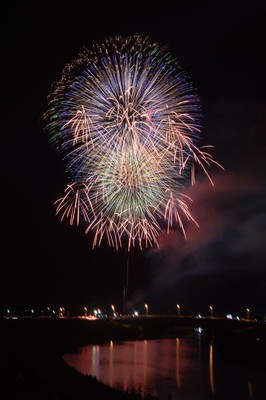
(44, 262)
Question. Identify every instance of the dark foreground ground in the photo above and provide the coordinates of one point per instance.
(31, 364)
(31, 350)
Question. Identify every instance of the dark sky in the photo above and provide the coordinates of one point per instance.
(221, 46)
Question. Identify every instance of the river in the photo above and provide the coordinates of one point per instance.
(185, 368)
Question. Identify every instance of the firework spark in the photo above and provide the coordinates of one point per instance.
(126, 121)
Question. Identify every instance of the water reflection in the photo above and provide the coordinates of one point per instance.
(211, 369)
(111, 355)
(177, 364)
(185, 368)
(95, 360)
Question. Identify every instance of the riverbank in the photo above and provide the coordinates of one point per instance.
(32, 366)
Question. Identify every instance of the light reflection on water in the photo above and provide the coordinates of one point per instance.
(186, 368)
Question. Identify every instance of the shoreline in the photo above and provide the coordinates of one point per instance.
(32, 365)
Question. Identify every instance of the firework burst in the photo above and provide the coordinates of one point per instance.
(127, 122)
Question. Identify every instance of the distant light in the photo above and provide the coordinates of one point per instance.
(136, 313)
(97, 312)
(199, 329)
(229, 316)
(89, 317)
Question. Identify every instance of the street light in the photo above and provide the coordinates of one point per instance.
(85, 311)
(113, 309)
(248, 313)
(178, 309)
(147, 308)
(211, 311)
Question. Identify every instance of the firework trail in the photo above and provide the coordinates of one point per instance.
(126, 121)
